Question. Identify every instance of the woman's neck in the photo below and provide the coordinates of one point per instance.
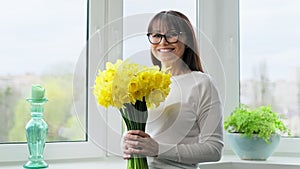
(177, 68)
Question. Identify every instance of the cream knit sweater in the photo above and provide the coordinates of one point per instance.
(188, 125)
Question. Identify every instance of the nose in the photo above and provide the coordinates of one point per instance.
(164, 40)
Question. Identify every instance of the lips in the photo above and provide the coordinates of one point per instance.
(165, 50)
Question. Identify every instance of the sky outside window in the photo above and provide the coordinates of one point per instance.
(269, 55)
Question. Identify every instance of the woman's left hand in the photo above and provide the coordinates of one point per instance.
(139, 142)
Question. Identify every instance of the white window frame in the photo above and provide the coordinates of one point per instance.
(101, 12)
(106, 15)
(219, 20)
(221, 27)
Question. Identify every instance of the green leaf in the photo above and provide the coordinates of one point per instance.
(262, 121)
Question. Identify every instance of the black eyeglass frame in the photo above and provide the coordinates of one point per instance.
(164, 36)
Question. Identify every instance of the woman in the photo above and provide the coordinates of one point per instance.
(187, 128)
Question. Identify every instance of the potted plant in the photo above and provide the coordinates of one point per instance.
(254, 134)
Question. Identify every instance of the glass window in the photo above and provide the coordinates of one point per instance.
(41, 42)
(269, 57)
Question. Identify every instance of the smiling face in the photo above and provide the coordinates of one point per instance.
(165, 24)
(167, 53)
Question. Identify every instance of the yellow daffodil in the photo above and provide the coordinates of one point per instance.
(126, 82)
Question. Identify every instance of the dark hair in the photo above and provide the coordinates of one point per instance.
(179, 22)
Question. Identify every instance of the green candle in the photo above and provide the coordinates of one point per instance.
(37, 92)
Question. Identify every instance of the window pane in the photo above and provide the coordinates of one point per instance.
(269, 55)
(41, 42)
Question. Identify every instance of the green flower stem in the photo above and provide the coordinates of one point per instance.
(135, 117)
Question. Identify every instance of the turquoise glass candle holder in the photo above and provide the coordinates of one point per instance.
(36, 129)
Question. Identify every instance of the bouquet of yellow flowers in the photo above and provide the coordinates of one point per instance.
(133, 89)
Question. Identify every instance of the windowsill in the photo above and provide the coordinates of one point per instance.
(111, 163)
(274, 162)
(227, 162)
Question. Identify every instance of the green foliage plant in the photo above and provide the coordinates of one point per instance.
(262, 122)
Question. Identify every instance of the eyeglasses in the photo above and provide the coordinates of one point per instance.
(170, 37)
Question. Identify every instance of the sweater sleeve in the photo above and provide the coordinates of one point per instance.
(210, 122)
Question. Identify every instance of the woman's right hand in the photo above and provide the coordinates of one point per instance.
(140, 143)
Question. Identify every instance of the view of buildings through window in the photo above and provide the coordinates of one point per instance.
(269, 55)
(40, 43)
